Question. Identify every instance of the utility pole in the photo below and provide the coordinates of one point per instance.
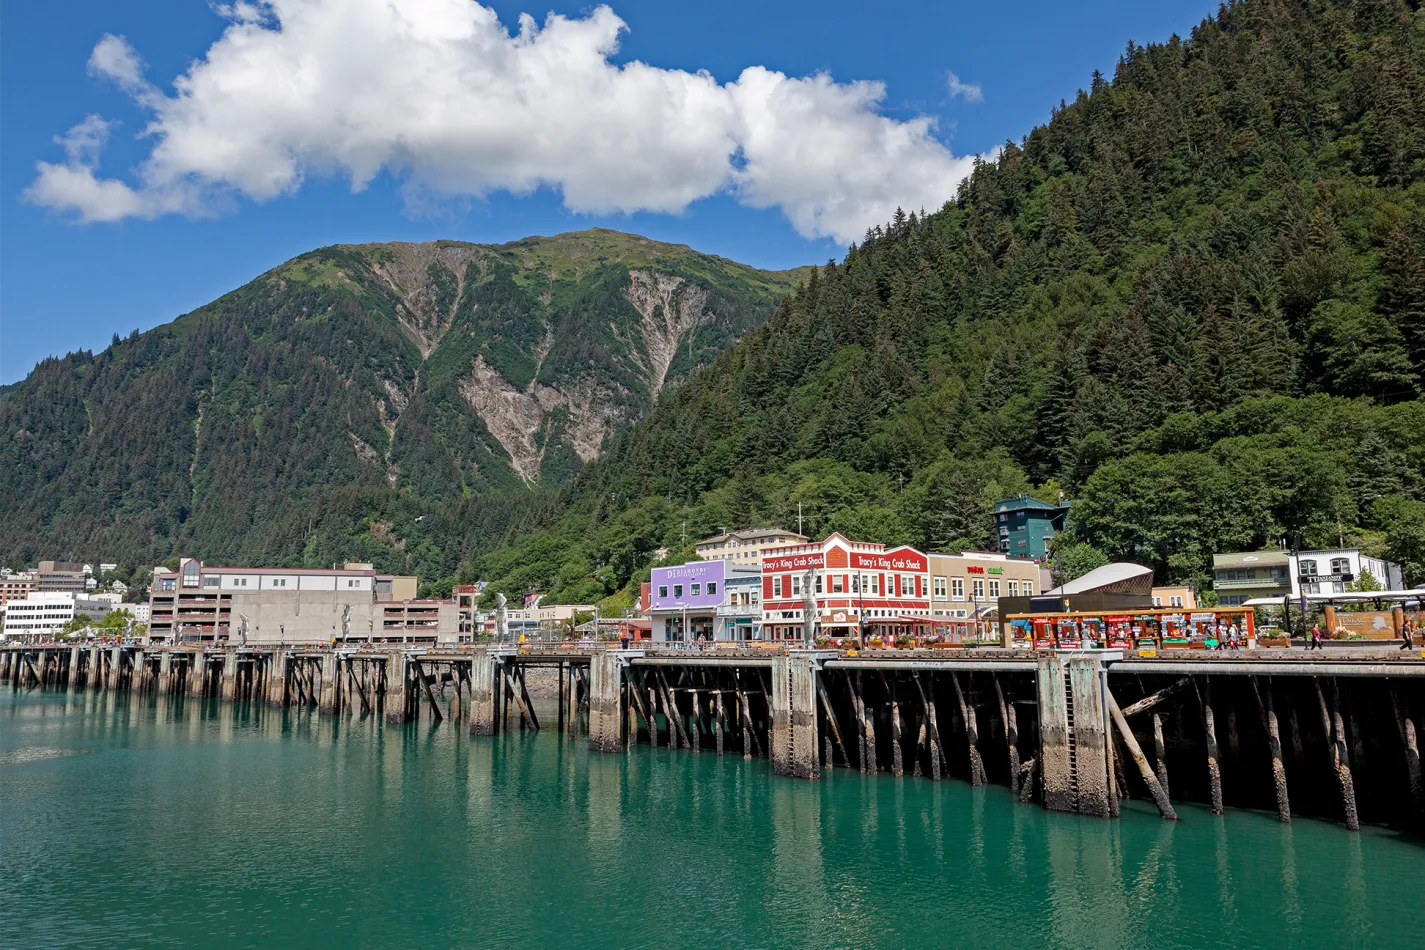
(799, 519)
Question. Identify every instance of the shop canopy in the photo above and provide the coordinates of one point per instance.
(1416, 595)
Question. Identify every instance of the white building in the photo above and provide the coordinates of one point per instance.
(44, 613)
(1333, 571)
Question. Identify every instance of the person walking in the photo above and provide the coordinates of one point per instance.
(1407, 636)
(1315, 637)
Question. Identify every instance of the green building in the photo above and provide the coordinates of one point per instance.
(1024, 525)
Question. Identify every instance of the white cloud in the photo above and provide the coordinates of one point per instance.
(440, 94)
(969, 91)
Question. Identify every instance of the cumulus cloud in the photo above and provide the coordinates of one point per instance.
(969, 91)
(439, 94)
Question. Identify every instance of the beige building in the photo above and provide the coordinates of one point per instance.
(61, 576)
(271, 604)
(744, 548)
(16, 587)
(1177, 596)
(967, 586)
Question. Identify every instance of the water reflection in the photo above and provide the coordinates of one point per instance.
(238, 820)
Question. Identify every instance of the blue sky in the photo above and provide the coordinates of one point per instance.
(66, 284)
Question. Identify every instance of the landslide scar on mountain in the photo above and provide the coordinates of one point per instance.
(516, 417)
(427, 304)
(670, 314)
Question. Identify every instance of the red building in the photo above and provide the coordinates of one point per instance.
(857, 588)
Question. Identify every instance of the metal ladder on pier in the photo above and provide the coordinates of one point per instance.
(1072, 739)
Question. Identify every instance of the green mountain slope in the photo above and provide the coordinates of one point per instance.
(1195, 300)
(318, 411)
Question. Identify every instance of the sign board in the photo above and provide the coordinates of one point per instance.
(1325, 578)
(1373, 624)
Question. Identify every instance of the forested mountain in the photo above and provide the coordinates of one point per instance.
(1194, 300)
(316, 413)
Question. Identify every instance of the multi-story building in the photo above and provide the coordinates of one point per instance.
(1334, 570)
(61, 576)
(1248, 575)
(417, 621)
(1024, 525)
(965, 588)
(269, 604)
(744, 548)
(1251, 575)
(685, 599)
(856, 588)
(16, 587)
(740, 615)
(44, 613)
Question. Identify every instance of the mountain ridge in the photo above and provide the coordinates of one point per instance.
(440, 370)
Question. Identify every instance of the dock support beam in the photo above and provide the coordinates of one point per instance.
(1055, 767)
(74, 668)
(482, 694)
(398, 684)
(801, 694)
(605, 702)
(277, 680)
(165, 672)
(328, 693)
(229, 685)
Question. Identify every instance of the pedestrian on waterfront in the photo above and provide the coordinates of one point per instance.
(1407, 636)
(623, 641)
(1315, 637)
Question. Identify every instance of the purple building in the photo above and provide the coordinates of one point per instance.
(684, 599)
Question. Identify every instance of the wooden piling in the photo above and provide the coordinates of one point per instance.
(1340, 764)
(972, 733)
(1268, 712)
(1011, 734)
(1406, 725)
(897, 762)
(1160, 798)
(1209, 728)
(1054, 762)
(927, 704)
(1160, 753)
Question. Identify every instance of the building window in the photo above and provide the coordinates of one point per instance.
(1028, 589)
(776, 587)
(818, 583)
(662, 590)
(190, 574)
(1157, 601)
(211, 580)
(1176, 601)
(697, 590)
(838, 584)
(979, 589)
(677, 591)
(796, 585)
(712, 588)
(994, 589)
(957, 588)
(939, 588)
(1014, 588)
(1308, 568)
(1340, 565)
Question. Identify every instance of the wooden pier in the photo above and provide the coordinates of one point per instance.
(1331, 735)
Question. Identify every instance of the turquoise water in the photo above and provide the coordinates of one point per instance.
(154, 823)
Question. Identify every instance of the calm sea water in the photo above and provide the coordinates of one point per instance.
(153, 823)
